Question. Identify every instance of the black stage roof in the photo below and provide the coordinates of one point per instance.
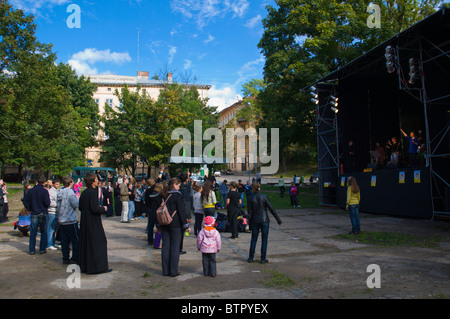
(435, 29)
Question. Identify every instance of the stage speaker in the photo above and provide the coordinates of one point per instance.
(373, 166)
(392, 164)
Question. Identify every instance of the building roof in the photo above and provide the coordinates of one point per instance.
(231, 107)
(111, 80)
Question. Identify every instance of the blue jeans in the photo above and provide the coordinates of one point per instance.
(354, 218)
(131, 209)
(242, 199)
(264, 227)
(38, 220)
(223, 200)
(51, 229)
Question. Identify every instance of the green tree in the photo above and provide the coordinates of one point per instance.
(251, 110)
(47, 113)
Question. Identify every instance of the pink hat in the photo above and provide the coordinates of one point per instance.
(209, 221)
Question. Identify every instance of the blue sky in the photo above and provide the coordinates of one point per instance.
(214, 40)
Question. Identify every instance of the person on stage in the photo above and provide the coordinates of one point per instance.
(92, 256)
(394, 149)
(413, 144)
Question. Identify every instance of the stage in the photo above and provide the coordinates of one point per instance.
(401, 192)
(364, 104)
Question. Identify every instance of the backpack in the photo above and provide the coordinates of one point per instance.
(162, 214)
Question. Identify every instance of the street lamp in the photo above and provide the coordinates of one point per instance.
(256, 162)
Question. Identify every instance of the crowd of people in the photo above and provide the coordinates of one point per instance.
(4, 207)
(52, 211)
(61, 212)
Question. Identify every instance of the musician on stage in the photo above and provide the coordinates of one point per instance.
(413, 144)
(393, 147)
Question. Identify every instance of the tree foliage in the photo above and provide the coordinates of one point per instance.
(47, 112)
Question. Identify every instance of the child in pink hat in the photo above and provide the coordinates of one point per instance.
(209, 243)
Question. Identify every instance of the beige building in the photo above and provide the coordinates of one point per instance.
(105, 94)
(229, 118)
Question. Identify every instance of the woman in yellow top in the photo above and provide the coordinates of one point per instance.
(353, 198)
(208, 199)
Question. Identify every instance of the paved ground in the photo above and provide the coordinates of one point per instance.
(305, 262)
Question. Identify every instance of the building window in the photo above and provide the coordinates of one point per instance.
(109, 102)
(109, 89)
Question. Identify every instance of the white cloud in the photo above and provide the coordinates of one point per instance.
(229, 94)
(210, 39)
(33, 6)
(82, 62)
(187, 64)
(223, 97)
(93, 56)
(250, 70)
(172, 52)
(204, 11)
(82, 68)
(154, 46)
(239, 7)
(253, 21)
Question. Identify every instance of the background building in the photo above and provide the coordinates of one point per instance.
(105, 94)
(230, 117)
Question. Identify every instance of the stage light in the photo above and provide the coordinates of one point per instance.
(414, 73)
(315, 95)
(334, 104)
(390, 59)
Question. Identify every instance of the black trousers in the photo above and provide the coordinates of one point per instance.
(170, 253)
(233, 221)
(69, 234)
(209, 264)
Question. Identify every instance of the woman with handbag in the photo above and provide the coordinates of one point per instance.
(171, 234)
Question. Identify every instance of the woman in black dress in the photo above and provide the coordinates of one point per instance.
(93, 255)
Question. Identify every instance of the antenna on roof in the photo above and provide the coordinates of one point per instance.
(139, 31)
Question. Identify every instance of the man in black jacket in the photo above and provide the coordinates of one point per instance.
(259, 220)
(37, 202)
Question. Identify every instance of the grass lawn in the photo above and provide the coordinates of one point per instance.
(390, 239)
(308, 197)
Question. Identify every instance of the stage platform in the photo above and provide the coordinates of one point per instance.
(401, 192)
